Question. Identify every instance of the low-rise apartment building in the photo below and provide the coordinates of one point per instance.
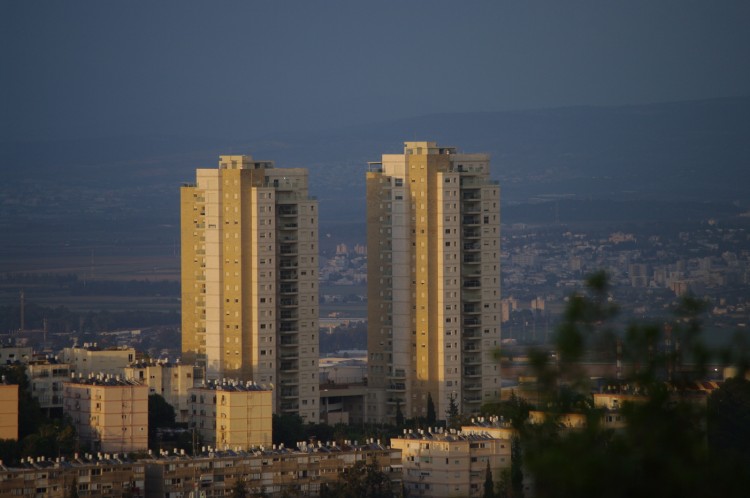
(273, 471)
(111, 476)
(93, 359)
(231, 414)
(170, 380)
(46, 379)
(8, 411)
(110, 414)
(440, 463)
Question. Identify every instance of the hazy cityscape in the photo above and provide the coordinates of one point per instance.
(394, 250)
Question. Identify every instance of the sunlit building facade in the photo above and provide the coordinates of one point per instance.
(249, 279)
(445, 464)
(433, 245)
(8, 411)
(109, 414)
(232, 415)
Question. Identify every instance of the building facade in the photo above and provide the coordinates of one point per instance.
(46, 379)
(232, 415)
(444, 464)
(172, 381)
(433, 245)
(113, 476)
(109, 414)
(271, 472)
(8, 411)
(249, 279)
(92, 359)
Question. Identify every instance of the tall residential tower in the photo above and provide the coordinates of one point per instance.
(249, 279)
(433, 245)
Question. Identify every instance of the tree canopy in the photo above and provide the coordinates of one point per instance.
(662, 449)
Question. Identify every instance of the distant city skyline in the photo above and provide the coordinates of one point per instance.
(243, 69)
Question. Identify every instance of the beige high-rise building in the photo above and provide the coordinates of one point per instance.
(249, 279)
(433, 245)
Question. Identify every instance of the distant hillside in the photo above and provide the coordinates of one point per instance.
(687, 151)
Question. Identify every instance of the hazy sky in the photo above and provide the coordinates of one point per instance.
(217, 68)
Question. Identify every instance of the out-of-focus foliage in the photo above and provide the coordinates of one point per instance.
(663, 449)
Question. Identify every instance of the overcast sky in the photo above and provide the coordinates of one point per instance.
(82, 69)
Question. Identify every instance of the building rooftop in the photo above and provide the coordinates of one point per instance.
(233, 385)
(441, 434)
(302, 448)
(102, 380)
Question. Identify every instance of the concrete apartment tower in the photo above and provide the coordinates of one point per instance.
(433, 245)
(249, 279)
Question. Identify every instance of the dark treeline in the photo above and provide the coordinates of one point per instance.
(75, 286)
(62, 320)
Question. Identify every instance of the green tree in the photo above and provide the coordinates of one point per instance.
(452, 416)
(161, 415)
(361, 480)
(73, 491)
(514, 410)
(239, 490)
(662, 451)
(399, 414)
(729, 420)
(431, 414)
(489, 485)
(288, 429)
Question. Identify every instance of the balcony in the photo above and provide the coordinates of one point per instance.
(472, 372)
(287, 275)
(289, 314)
(289, 302)
(287, 210)
(472, 233)
(288, 249)
(472, 208)
(288, 327)
(473, 333)
(473, 360)
(288, 289)
(397, 387)
(472, 247)
(472, 284)
(398, 374)
(470, 220)
(289, 366)
(289, 341)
